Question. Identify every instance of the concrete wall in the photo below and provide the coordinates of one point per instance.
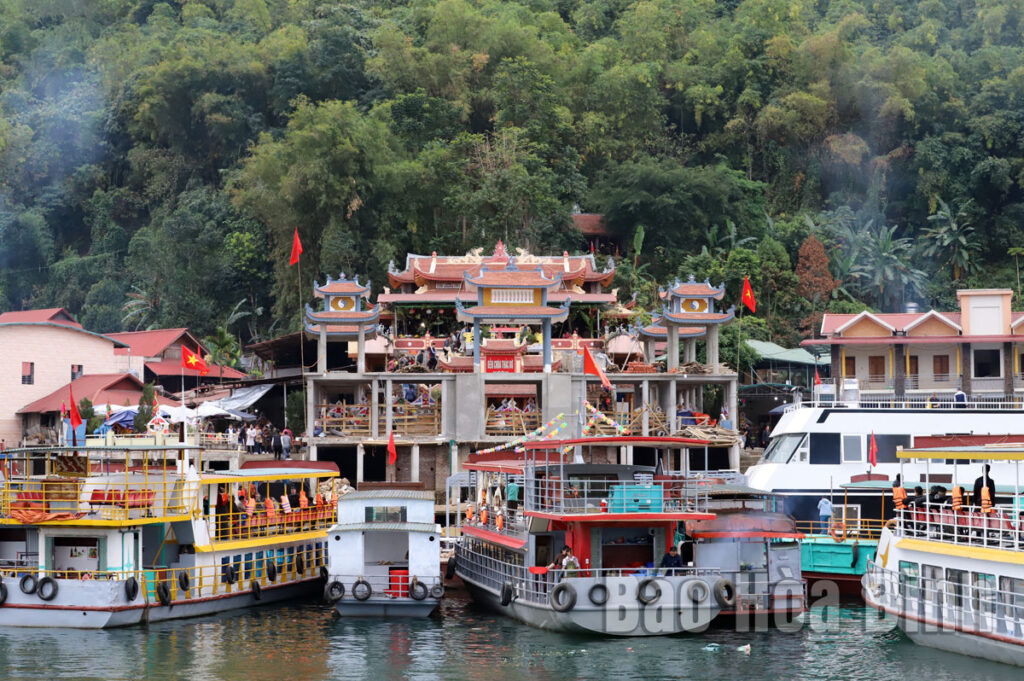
(53, 349)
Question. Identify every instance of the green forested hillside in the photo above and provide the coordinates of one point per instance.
(155, 157)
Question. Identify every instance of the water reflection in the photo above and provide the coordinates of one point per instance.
(309, 643)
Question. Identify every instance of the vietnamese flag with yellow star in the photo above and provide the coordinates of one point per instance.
(191, 360)
(748, 295)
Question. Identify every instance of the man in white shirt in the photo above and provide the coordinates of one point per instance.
(825, 513)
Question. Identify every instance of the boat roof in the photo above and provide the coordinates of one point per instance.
(385, 527)
(281, 473)
(663, 442)
(1010, 451)
(924, 484)
(93, 449)
(419, 495)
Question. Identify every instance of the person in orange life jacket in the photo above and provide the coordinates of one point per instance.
(984, 481)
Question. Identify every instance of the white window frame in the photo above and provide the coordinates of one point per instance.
(512, 296)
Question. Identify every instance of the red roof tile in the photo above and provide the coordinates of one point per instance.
(113, 389)
(530, 277)
(591, 224)
(897, 320)
(687, 317)
(153, 343)
(172, 367)
(699, 289)
(54, 315)
(343, 316)
(515, 311)
(342, 287)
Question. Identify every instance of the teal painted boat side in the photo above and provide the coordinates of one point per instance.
(822, 554)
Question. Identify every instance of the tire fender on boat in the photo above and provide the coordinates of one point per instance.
(641, 591)
(3, 592)
(598, 593)
(324, 574)
(364, 593)
(725, 593)
(257, 590)
(300, 565)
(436, 591)
(560, 604)
(184, 581)
(28, 584)
(47, 589)
(131, 589)
(507, 592)
(163, 592)
(417, 590)
(230, 574)
(271, 570)
(449, 570)
(697, 590)
(334, 592)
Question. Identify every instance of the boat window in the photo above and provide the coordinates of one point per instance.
(852, 448)
(983, 593)
(931, 575)
(385, 514)
(908, 579)
(956, 580)
(781, 448)
(1011, 594)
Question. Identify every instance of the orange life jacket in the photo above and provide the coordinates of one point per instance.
(899, 498)
(250, 507)
(469, 513)
(986, 500)
(268, 504)
(286, 505)
(483, 516)
(303, 499)
(319, 499)
(500, 522)
(958, 498)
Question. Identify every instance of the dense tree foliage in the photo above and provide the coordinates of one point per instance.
(155, 157)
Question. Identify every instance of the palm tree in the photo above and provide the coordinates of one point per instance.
(140, 309)
(224, 349)
(952, 239)
(885, 268)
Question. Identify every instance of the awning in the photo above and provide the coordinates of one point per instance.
(243, 398)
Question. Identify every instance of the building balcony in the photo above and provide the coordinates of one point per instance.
(355, 420)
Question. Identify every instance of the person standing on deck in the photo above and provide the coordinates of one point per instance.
(670, 560)
(286, 443)
(825, 513)
(982, 482)
(276, 445)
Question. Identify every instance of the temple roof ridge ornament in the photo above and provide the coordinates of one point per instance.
(692, 288)
(341, 286)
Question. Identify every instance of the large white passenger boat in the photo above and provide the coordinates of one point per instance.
(110, 536)
(954, 576)
(384, 555)
(816, 447)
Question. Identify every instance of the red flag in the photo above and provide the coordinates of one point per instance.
(296, 248)
(873, 451)
(590, 367)
(76, 418)
(191, 360)
(817, 377)
(392, 452)
(748, 295)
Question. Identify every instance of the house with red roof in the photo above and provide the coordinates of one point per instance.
(156, 357)
(913, 355)
(41, 351)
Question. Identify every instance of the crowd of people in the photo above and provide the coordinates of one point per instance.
(262, 438)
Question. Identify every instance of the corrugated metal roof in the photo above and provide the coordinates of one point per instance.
(416, 494)
(778, 353)
(429, 528)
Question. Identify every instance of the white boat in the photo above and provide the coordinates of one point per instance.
(384, 554)
(110, 536)
(954, 579)
(816, 447)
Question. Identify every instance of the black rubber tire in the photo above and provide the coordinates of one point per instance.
(271, 570)
(449, 569)
(418, 590)
(697, 591)
(324, 574)
(257, 590)
(184, 581)
(436, 591)
(300, 565)
(47, 589)
(3, 592)
(725, 593)
(361, 594)
(131, 589)
(334, 592)
(230, 574)
(555, 597)
(507, 592)
(28, 584)
(641, 591)
(598, 600)
(163, 593)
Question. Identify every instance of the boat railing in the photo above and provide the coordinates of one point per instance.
(499, 519)
(923, 400)
(262, 521)
(533, 584)
(219, 441)
(970, 526)
(979, 605)
(841, 530)
(138, 495)
(290, 564)
(587, 495)
(390, 586)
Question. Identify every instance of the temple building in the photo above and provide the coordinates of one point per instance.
(466, 352)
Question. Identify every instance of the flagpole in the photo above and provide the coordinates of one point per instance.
(302, 352)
